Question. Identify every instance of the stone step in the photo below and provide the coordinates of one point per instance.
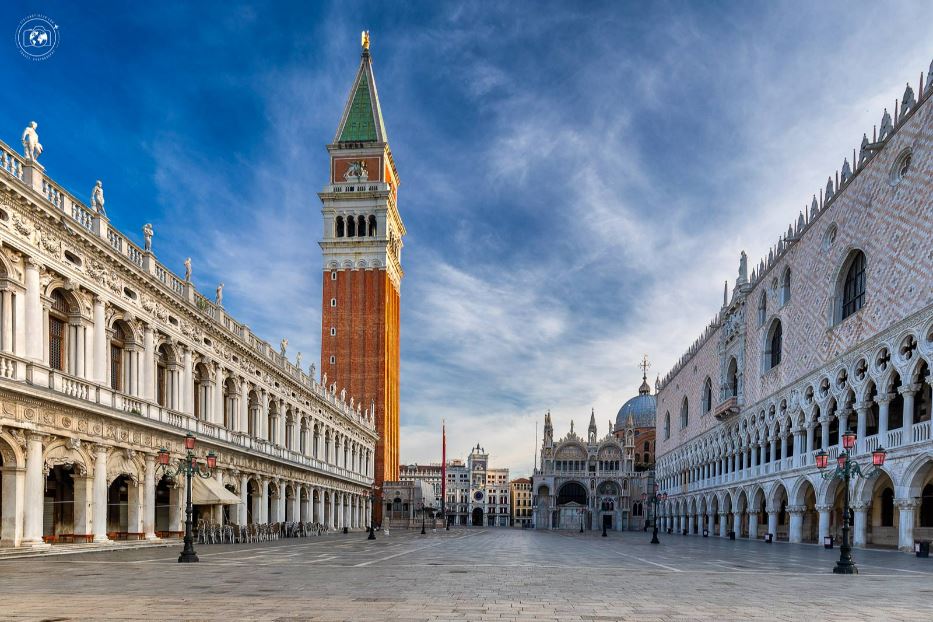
(66, 549)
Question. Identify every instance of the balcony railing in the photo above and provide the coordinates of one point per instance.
(15, 368)
(919, 433)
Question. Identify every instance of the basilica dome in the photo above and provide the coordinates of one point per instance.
(641, 408)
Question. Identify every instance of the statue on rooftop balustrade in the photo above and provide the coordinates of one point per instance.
(32, 149)
(283, 346)
(97, 198)
(188, 270)
(220, 295)
(298, 361)
(147, 235)
(311, 370)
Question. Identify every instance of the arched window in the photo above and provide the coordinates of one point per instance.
(161, 376)
(785, 287)
(254, 412)
(773, 345)
(351, 227)
(202, 391)
(338, 227)
(732, 377)
(117, 343)
(372, 226)
(667, 425)
(271, 422)
(230, 403)
(361, 226)
(762, 309)
(853, 285)
(58, 320)
(684, 413)
(707, 396)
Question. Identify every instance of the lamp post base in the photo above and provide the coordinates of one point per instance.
(188, 557)
(654, 537)
(372, 533)
(841, 568)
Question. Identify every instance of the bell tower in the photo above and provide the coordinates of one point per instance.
(361, 248)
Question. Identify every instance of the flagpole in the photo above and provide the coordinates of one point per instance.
(444, 471)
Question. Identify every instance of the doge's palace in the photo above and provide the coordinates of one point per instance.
(106, 356)
(833, 330)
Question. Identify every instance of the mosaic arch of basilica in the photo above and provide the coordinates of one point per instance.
(106, 356)
(832, 330)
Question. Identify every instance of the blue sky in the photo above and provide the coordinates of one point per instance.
(578, 179)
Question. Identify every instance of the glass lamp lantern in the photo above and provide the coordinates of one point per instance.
(211, 460)
(848, 440)
(878, 456)
(189, 442)
(822, 459)
(163, 457)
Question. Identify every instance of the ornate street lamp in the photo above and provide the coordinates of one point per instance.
(189, 466)
(422, 518)
(656, 500)
(372, 512)
(846, 469)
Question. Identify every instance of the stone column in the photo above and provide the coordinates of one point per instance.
(772, 521)
(723, 517)
(825, 440)
(860, 525)
(6, 333)
(134, 507)
(99, 516)
(217, 408)
(905, 528)
(908, 392)
(810, 436)
(149, 495)
(319, 507)
(281, 423)
(340, 516)
(34, 318)
(737, 523)
(147, 382)
(281, 502)
(884, 404)
(296, 503)
(187, 383)
(304, 514)
(100, 342)
(752, 525)
(34, 499)
(861, 426)
(243, 424)
(264, 501)
(241, 509)
(263, 415)
(176, 519)
(784, 446)
(824, 511)
(795, 533)
(83, 503)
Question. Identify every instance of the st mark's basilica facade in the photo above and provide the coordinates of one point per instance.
(597, 482)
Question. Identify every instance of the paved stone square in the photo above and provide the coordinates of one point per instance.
(471, 574)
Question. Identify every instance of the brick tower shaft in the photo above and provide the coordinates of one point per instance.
(361, 248)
